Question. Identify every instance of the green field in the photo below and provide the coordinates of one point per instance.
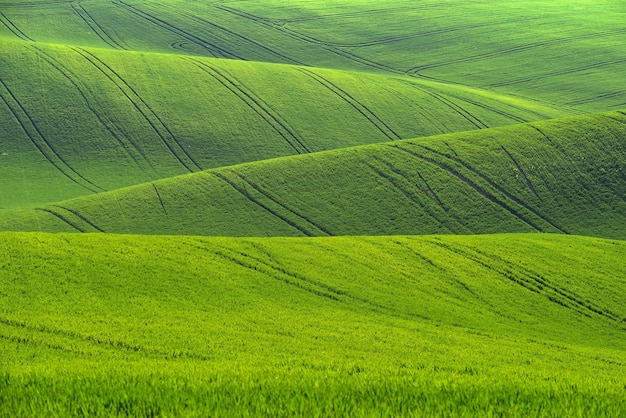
(118, 323)
(312, 208)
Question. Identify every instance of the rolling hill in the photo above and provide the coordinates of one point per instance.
(151, 116)
(559, 176)
(257, 324)
(312, 208)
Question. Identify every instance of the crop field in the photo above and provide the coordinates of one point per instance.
(251, 323)
(312, 208)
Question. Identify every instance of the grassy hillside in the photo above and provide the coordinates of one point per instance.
(561, 176)
(559, 52)
(82, 121)
(120, 324)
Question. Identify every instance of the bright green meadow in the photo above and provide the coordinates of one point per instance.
(312, 208)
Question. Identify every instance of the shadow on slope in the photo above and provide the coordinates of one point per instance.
(561, 176)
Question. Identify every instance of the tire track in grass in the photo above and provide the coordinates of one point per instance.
(479, 124)
(81, 217)
(158, 195)
(230, 33)
(484, 193)
(213, 49)
(12, 27)
(384, 128)
(131, 149)
(605, 96)
(445, 30)
(529, 280)
(409, 194)
(496, 186)
(102, 342)
(529, 184)
(303, 38)
(40, 142)
(266, 270)
(258, 105)
(244, 193)
(559, 73)
(95, 27)
(268, 196)
(62, 218)
(416, 71)
(153, 119)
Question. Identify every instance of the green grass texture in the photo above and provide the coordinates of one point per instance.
(559, 176)
(82, 121)
(559, 52)
(99, 324)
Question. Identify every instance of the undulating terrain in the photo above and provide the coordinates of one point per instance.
(314, 208)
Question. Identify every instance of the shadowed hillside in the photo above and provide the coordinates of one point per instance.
(561, 176)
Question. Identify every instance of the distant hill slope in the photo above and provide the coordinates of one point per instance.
(561, 176)
(80, 121)
(571, 55)
(221, 320)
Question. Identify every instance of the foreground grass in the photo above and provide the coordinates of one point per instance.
(140, 325)
(561, 176)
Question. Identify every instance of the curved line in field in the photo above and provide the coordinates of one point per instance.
(309, 40)
(279, 203)
(416, 71)
(81, 217)
(497, 187)
(155, 122)
(484, 193)
(354, 103)
(41, 143)
(412, 197)
(449, 103)
(95, 27)
(260, 107)
(61, 217)
(247, 195)
(215, 50)
(126, 144)
(13, 28)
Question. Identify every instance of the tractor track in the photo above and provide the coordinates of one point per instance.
(150, 116)
(125, 143)
(95, 27)
(244, 193)
(495, 186)
(258, 105)
(281, 204)
(367, 113)
(40, 142)
(12, 27)
(210, 47)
